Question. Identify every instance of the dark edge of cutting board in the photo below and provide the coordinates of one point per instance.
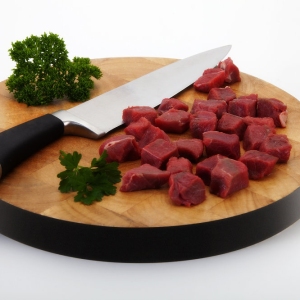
(148, 245)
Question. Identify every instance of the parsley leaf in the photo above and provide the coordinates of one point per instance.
(91, 183)
(44, 72)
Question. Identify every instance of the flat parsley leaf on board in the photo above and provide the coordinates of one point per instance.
(91, 183)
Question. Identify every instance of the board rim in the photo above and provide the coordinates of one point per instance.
(148, 244)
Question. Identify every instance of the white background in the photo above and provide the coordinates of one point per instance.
(265, 38)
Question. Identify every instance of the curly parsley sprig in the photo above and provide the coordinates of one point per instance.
(91, 183)
(44, 72)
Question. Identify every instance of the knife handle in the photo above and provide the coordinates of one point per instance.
(18, 143)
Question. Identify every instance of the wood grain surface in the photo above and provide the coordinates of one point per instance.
(33, 185)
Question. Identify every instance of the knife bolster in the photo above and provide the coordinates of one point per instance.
(74, 125)
(20, 142)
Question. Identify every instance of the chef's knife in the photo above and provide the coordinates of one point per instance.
(96, 117)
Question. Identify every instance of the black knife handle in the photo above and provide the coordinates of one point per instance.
(18, 143)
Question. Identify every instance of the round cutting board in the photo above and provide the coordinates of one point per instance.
(142, 226)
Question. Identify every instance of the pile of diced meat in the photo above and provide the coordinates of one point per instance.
(233, 140)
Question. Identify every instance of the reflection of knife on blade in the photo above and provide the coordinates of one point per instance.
(101, 114)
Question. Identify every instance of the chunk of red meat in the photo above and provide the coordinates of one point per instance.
(216, 142)
(232, 73)
(228, 177)
(120, 148)
(169, 103)
(225, 94)
(179, 164)
(232, 124)
(201, 122)
(259, 121)
(186, 189)
(273, 108)
(216, 106)
(209, 80)
(204, 167)
(259, 164)
(191, 149)
(158, 153)
(144, 132)
(173, 121)
(250, 96)
(134, 113)
(254, 135)
(212, 70)
(277, 145)
(144, 177)
(242, 107)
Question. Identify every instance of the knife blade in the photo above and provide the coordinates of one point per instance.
(96, 117)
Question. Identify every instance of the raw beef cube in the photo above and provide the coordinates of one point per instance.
(186, 189)
(204, 167)
(250, 96)
(201, 122)
(232, 124)
(169, 103)
(191, 149)
(216, 106)
(273, 108)
(120, 148)
(134, 113)
(226, 144)
(212, 70)
(144, 177)
(225, 94)
(173, 121)
(259, 121)
(138, 128)
(232, 73)
(144, 132)
(277, 145)
(242, 107)
(228, 177)
(259, 164)
(255, 135)
(158, 153)
(179, 164)
(209, 80)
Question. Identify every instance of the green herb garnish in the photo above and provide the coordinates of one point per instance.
(91, 183)
(44, 72)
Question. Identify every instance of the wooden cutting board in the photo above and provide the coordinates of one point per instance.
(33, 186)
